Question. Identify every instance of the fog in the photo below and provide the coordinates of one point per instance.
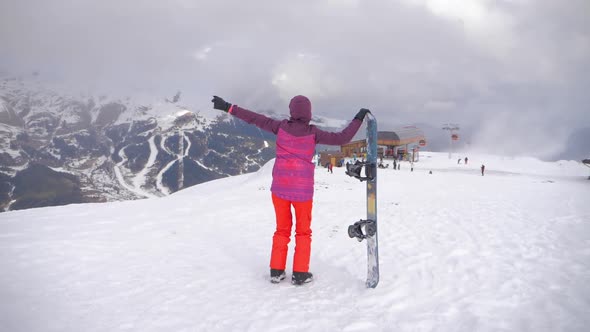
(512, 73)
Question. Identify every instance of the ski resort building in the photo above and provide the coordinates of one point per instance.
(333, 157)
(403, 143)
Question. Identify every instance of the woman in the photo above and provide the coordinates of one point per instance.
(293, 178)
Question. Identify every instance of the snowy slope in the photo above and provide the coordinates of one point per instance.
(459, 252)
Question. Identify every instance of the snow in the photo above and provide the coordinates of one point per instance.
(136, 187)
(141, 178)
(188, 145)
(508, 251)
(180, 155)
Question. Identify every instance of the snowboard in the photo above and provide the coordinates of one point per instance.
(366, 229)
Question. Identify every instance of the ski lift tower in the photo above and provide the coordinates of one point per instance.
(452, 128)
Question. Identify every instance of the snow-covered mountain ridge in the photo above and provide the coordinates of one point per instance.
(57, 148)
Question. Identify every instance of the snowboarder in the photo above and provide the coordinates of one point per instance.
(293, 178)
(483, 168)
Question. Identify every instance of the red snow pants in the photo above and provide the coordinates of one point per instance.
(282, 236)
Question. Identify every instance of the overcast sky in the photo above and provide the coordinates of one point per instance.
(516, 71)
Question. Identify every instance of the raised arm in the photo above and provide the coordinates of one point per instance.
(343, 137)
(259, 120)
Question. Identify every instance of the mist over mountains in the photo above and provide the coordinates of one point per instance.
(577, 146)
(58, 148)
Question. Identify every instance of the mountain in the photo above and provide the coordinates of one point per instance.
(58, 148)
(508, 251)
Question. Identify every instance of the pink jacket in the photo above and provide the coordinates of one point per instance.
(293, 172)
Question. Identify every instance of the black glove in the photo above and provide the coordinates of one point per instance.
(220, 104)
(361, 114)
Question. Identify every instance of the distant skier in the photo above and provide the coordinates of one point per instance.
(293, 178)
(458, 161)
(330, 167)
(483, 168)
(466, 159)
(395, 164)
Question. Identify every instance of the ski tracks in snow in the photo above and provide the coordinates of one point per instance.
(179, 158)
(140, 178)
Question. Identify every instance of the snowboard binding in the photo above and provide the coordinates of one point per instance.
(354, 170)
(362, 229)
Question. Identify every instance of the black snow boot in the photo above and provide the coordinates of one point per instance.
(276, 276)
(300, 278)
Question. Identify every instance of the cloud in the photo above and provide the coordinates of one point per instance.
(482, 23)
(304, 74)
(411, 61)
(202, 53)
(510, 133)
